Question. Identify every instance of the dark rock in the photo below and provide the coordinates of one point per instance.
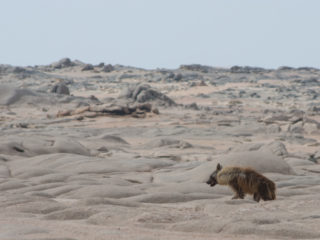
(238, 69)
(114, 139)
(316, 157)
(63, 63)
(156, 111)
(178, 77)
(60, 88)
(315, 109)
(103, 149)
(108, 68)
(193, 106)
(198, 84)
(18, 70)
(100, 65)
(145, 107)
(202, 95)
(94, 98)
(22, 125)
(285, 68)
(275, 118)
(87, 67)
(196, 67)
(80, 118)
(246, 69)
(151, 95)
(308, 69)
(254, 95)
(144, 93)
(171, 75)
(310, 82)
(135, 110)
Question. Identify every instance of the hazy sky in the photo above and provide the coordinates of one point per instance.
(162, 33)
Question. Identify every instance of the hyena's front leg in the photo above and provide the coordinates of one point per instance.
(237, 189)
(256, 197)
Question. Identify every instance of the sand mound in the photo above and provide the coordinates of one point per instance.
(10, 95)
(70, 214)
(263, 161)
(276, 147)
(114, 139)
(37, 145)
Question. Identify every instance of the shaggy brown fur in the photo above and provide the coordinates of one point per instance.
(242, 181)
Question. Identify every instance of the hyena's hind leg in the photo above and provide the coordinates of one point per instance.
(237, 189)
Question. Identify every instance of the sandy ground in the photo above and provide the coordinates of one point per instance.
(82, 167)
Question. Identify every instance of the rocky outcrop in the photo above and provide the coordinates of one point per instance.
(63, 63)
(143, 93)
(114, 109)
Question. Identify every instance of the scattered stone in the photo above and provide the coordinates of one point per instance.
(60, 88)
(64, 113)
(156, 111)
(198, 84)
(18, 70)
(114, 139)
(178, 77)
(108, 68)
(316, 157)
(103, 149)
(63, 63)
(144, 93)
(285, 68)
(87, 67)
(127, 174)
(94, 98)
(196, 67)
(246, 69)
(92, 111)
(22, 125)
(193, 106)
(100, 65)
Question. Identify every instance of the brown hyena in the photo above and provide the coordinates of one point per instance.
(242, 181)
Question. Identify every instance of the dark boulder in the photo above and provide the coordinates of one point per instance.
(143, 93)
(63, 63)
(108, 68)
(60, 88)
(87, 67)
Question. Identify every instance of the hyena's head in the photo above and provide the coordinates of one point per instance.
(213, 177)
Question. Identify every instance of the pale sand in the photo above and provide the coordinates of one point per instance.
(121, 177)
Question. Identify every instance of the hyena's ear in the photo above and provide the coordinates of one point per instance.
(219, 167)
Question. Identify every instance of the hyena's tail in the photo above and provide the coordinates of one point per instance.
(267, 189)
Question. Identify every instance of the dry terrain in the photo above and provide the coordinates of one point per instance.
(116, 152)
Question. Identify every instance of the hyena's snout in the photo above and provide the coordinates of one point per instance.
(212, 182)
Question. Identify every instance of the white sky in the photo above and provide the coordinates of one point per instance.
(162, 33)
